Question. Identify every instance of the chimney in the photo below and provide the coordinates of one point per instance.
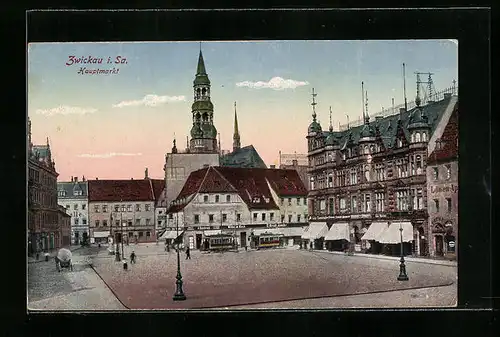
(83, 178)
(71, 178)
(295, 163)
(76, 179)
(402, 110)
(96, 178)
(447, 95)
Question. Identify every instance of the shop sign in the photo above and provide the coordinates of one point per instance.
(203, 227)
(236, 226)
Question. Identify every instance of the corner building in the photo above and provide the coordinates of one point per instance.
(371, 179)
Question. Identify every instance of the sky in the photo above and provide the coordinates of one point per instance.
(114, 124)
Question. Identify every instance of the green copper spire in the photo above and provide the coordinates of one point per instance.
(201, 65)
(236, 134)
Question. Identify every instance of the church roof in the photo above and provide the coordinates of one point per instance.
(201, 73)
(246, 157)
(251, 184)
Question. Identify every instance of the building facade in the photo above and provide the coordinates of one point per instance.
(376, 172)
(123, 209)
(442, 191)
(73, 196)
(239, 201)
(43, 218)
(297, 162)
(64, 227)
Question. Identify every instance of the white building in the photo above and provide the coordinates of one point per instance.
(239, 201)
(73, 196)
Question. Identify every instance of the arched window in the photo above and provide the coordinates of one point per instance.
(424, 136)
(198, 93)
(372, 149)
(203, 91)
(417, 137)
(413, 138)
(366, 149)
(367, 173)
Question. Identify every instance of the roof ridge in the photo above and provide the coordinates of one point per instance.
(204, 178)
(223, 177)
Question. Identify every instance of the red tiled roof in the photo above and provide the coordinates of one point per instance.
(158, 186)
(120, 190)
(449, 141)
(250, 183)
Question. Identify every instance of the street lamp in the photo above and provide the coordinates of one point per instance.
(402, 268)
(179, 293)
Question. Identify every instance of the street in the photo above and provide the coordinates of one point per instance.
(280, 278)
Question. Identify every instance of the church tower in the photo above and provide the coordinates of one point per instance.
(203, 132)
(236, 134)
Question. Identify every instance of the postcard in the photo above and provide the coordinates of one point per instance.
(234, 175)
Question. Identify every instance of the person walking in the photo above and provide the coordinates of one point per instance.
(188, 253)
(132, 257)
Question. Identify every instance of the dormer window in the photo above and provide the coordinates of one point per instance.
(417, 137)
(424, 136)
(400, 143)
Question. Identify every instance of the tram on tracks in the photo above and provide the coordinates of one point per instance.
(220, 242)
(269, 240)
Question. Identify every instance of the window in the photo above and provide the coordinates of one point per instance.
(282, 201)
(137, 222)
(148, 234)
(75, 206)
(331, 206)
(255, 217)
(83, 207)
(196, 218)
(436, 173)
(448, 171)
(84, 221)
(402, 200)
(330, 180)
(271, 216)
(129, 208)
(417, 137)
(129, 223)
(216, 198)
(342, 204)
(367, 173)
(141, 234)
(354, 206)
(76, 221)
(159, 222)
(417, 199)
(424, 136)
(147, 207)
(289, 218)
(137, 207)
(289, 201)
(148, 222)
(448, 203)
(105, 223)
(224, 217)
(379, 201)
(367, 205)
(117, 208)
(96, 208)
(298, 217)
(122, 208)
(117, 223)
(379, 170)
(210, 218)
(353, 177)
(263, 216)
(97, 223)
(419, 164)
(104, 208)
(228, 198)
(436, 205)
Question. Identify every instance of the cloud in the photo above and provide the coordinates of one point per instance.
(65, 110)
(109, 155)
(275, 83)
(150, 100)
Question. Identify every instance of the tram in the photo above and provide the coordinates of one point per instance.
(268, 240)
(220, 242)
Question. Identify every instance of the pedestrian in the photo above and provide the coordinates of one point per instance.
(132, 257)
(188, 253)
(246, 248)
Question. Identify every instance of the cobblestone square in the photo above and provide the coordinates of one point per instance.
(246, 278)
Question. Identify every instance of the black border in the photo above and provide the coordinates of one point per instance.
(470, 26)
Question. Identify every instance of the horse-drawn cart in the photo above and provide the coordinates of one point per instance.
(63, 259)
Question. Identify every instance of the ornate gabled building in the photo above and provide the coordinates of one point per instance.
(239, 201)
(73, 196)
(374, 175)
(43, 216)
(442, 191)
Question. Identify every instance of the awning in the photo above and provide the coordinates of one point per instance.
(170, 235)
(392, 234)
(101, 234)
(315, 231)
(338, 231)
(374, 231)
(212, 232)
(292, 231)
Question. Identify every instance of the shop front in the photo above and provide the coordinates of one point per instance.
(101, 236)
(391, 238)
(313, 236)
(370, 238)
(338, 237)
(444, 241)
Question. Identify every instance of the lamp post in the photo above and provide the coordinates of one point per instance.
(402, 268)
(179, 293)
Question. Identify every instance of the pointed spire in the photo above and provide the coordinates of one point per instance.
(48, 142)
(174, 148)
(331, 125)
(363, 100)
(367, 117)
(236, 134)
(201, 64)
(404, 86)
(417, 99)
(314, 104)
